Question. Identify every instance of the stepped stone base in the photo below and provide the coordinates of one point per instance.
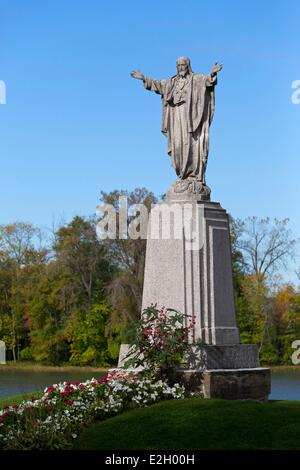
(229, 384)
(188, 268)
(228, 372)
(239, 356)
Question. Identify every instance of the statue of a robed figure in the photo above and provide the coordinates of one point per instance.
(196, 278)
(187, 111)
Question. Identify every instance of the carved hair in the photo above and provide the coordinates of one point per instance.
(188, 62)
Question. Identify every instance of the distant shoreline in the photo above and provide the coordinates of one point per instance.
(35, 367)
(284, 368)
(65, 368)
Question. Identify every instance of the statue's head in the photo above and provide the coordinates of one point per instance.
(183, 65)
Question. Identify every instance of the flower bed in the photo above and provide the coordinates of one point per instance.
(55, 420)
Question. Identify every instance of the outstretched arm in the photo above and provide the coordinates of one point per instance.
(216, 68)
(138, 75)
(212, 76)
(153, 85)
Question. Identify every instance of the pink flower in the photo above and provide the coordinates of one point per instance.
(103, 380)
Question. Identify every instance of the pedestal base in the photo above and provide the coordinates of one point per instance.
(206, 357)
(188, 267)
(229, 372)
(229, 384)
(238, 356)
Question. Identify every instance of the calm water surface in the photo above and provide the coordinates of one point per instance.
(285, 383)
(17, 382)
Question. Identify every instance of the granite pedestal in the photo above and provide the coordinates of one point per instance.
(188, 268)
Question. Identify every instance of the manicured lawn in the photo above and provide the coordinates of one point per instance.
(199, 424)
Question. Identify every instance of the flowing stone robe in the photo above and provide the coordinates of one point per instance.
(187, 112)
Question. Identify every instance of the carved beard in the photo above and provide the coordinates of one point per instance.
(182, 73)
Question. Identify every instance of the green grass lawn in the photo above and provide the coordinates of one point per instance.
(199, 424)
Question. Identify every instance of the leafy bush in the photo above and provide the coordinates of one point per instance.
(161, 341)
(26, 354)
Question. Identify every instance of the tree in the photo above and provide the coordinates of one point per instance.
(65, 295)
(260, 248)
(49, 298)
(87, 337)
(286, 320)
(266, 246)
(126, 288)
(22, 245)
(83, 257)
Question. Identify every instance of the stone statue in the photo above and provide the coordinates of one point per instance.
(187, 112)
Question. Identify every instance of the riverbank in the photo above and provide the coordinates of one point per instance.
(36, 367)
(284, 368)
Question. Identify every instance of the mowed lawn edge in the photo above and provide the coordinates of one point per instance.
(193, 424)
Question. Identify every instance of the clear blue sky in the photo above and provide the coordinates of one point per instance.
(76, 123)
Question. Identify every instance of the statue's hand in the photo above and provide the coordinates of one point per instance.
(138, 75)
(216, 68)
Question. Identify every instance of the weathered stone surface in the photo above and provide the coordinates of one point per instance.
(125, 356)
(124, 350)
(238, 356)
(187, 111)
(237, 384)
(194, 274)
(228, 384)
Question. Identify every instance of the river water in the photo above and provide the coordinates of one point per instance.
(285, 383)
(17, 382)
